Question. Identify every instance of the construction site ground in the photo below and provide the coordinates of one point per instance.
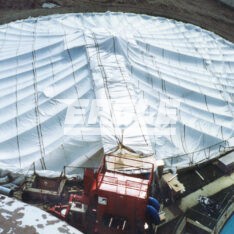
(209, 14)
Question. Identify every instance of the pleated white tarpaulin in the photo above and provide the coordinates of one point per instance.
(73, 84)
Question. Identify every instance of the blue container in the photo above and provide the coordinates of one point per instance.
(6, 191)
(154, 202)
(152, 214)
(229, 226)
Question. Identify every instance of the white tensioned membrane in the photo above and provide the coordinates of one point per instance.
(184, 75)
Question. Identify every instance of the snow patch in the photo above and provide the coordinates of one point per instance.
(49, 5)
(32, 216)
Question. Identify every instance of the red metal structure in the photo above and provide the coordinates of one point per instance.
(114, 199)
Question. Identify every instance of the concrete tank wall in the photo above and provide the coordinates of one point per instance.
(228, 2)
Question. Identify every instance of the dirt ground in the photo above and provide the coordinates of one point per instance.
(208, 14)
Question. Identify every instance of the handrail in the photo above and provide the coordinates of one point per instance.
(190, 156)
(127, 165)
(126, 158)
(103, 168)
(151, 165)
(226, 212)
(82, 168)
(226, 206)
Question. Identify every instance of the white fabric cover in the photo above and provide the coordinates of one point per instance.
(184, 75)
